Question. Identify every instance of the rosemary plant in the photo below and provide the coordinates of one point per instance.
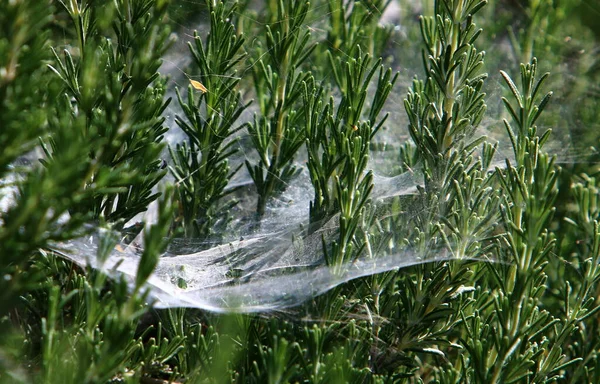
(576, 280)
(24, 50)
(200, 165)
(456, 209)
(75, 324)
(521, 340)
(355, 25)
(94, 116)
(114, 94)
(338, 149)
(278, 132)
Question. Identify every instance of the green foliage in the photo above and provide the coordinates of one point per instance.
(354, 26)
(113, 96)
(338, 142)
(278, 132)
(518, 329)
(103, 123)
(28, 224)
(81, 132)
(90, 335)
(200, 165)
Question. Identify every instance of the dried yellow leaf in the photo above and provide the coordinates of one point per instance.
(198, 86)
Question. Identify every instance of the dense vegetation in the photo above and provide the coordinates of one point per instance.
(82, 131)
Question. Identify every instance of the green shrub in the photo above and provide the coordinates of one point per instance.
(503, 278)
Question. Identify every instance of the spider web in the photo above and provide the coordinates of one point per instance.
(280, 265)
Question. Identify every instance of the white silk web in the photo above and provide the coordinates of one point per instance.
(281, 265)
